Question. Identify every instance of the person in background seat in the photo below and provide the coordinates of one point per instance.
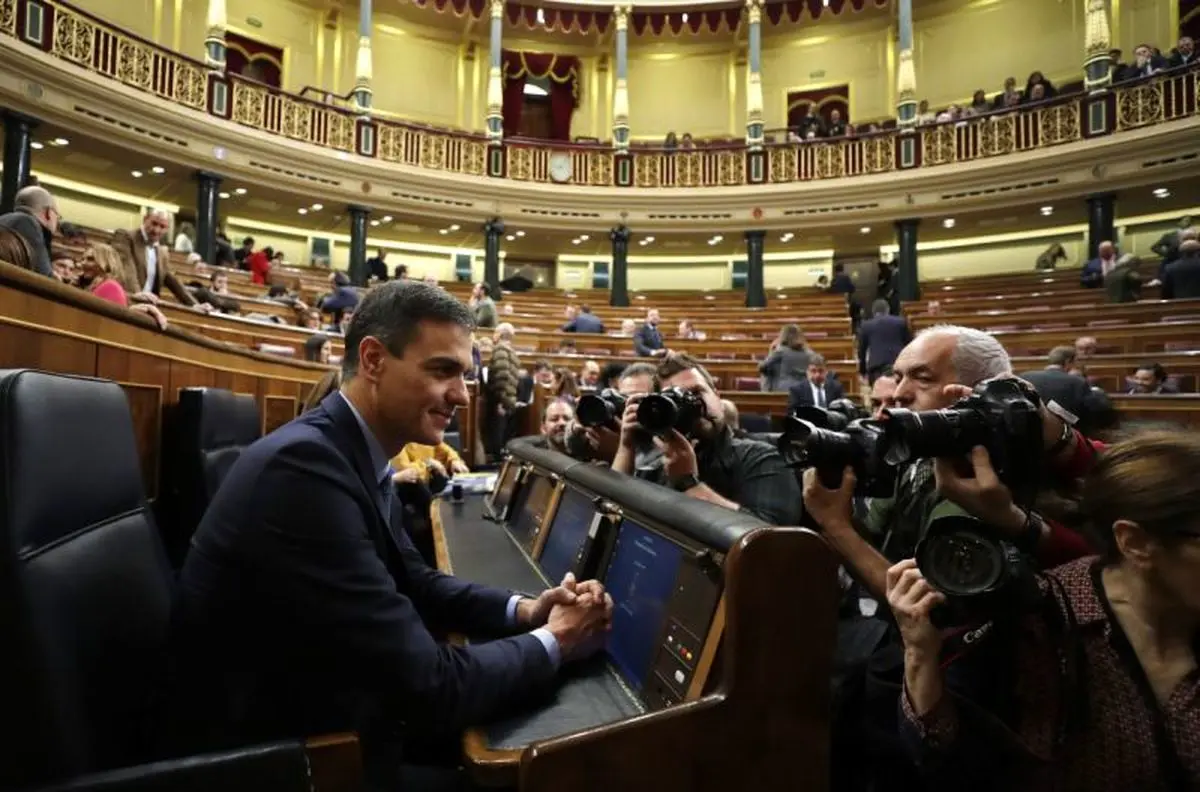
(880, 340)
(1151, 377)
(1123, 283)
(1094, 271)
(1181, 281)
(35, 217)
(583, 321)
(647, 340)
(817, 389)
(417, 462)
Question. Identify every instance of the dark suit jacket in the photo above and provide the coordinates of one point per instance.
(1074, 393)
(1181, 281)
(1092, 275)
(801, 394)
(131, 247)
(880, 340)
(377, 267)
(584, 323)
(35, 236)
(304, 609)
(646, 338)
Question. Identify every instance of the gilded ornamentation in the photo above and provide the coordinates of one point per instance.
(8, 17)
(1140, 105)
(782, 162)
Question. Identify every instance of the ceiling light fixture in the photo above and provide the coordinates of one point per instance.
(948, 222)
(302, 210)
(541, 17)
(584, 237)
(61, 142)
(685, 17)
(374, 222)
(443, 232)
(520, 233)
(455, 227)
(223, 195)
(159, 169)
(240, 191)
(387, 218)
(510, 238)
(575, 241)
(1162, 192)
(136, 174)
(1047, 211)
(37, 146)
(649, 239)
(865, 230)
(317, 207)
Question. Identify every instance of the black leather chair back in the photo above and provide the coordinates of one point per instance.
(209, 428)
(85, 589)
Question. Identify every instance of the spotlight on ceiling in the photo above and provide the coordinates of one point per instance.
(520, 233)
(1162, 192)
(240, 191)
(302, 210)
(317, 207)
(60, 142)
(948, 222)
(865, 230)
(584, 237)
(1047, 211)
(136, 174)
(159, 169)
(223, 195)
(649, 239)
(455, 227)
(374, 222)
(510, 237)
(37, 146)
(443, 231)
(387, 218)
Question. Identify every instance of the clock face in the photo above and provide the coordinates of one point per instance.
(560, 167)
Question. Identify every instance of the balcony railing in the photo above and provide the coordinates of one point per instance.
(90, 43)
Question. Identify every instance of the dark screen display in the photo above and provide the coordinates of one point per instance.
(531, 507)
(568, 532)
(641, 578)
(504, 488)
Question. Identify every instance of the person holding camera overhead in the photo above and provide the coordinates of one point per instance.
(1095, 686)
(695, 453)
(941, 366)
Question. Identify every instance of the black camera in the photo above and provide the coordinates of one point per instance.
(1002, 415)
(600, 409)
(980, 575)
(828, 441)
(673, 408)
(837, 415)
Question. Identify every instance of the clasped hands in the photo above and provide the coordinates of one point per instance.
(579, 615)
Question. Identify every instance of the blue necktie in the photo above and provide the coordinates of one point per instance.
(387, 491)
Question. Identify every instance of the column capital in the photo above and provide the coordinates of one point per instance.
(910, 222)
(208, 176)
(355, 210)
(754, 11)
(621, 16)
(494, 227)
(620, 234)
(497, 7)
(755, 234)
(13, 117)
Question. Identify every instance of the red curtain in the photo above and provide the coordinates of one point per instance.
(253, 59)
(563, 73)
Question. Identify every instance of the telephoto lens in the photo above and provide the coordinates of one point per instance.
(600, 409)
(673, 408)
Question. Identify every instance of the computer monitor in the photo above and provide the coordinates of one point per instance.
(530, 508)
(641, 578)
(505, 485)
(573, 520)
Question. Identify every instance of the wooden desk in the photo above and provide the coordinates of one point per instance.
(1064, 314)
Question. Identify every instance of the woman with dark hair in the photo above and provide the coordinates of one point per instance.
(1092, 684)
(564, 386)
(1037, 78)
(317, 348)
(787, 362)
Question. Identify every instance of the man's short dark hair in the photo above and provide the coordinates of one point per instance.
(585, 308)
(1061, 356)
(392, 311)
(816, 359)
(248, 241)
(677, 363)
(638, 370)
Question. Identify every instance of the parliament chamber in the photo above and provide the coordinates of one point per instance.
(603, 186)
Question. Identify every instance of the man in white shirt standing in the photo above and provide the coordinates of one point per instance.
(146, 262)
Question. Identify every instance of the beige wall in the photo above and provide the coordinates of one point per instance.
(995, 258)
(95, 212)
(1142, 22)
(799, 272)
(670, 90)
(296, 247)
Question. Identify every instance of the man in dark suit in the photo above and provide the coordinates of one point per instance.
(304, 608)
(377, 267)
(880, 340)
(584, 321)
(146, 262)
(647, 340)
(35, 217)
(1092, 275)
(1181, 281)
(818, 389)
(1184, 54)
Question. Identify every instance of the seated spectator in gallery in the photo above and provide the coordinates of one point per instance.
(1184, 54)
(1009, 97)
(686, 142)
(1092, 276)
(924, 114)
(1151, 377)
(688, 332)
(217, 293)
(1036, 80)
(35, 217)
(1181, 281)
(628, 328)
(837, 127)
(979, 103)
(1123, 283)
(1145, 64)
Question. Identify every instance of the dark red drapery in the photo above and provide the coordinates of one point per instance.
(253, 59)
(563, 74)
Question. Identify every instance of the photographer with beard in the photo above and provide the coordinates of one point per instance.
(940, 366)
(708, 462)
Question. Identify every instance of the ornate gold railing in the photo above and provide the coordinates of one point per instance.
(92, 44)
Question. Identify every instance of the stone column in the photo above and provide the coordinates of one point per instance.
(618, 294)
(495, 87)
(492, 231)
(214, 39)
(908, 284)
(1101, 214)
(754, 96)
(358, 244)
(207, 212)
(18, 132)
(620, 130)
(1097, 41)
(756, 296)
(362, 62)
(906, 74)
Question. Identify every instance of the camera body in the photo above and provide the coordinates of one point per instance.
(980, 575)
(670, 408)
(829, 441)
(1002, 415)
(600, 409)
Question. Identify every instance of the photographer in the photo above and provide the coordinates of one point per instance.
(938, 368)
(697, 454)
(590, 440)
(1095, 686)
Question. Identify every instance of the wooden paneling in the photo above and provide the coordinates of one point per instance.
(23, 347)
(278, 410)
(146, 409)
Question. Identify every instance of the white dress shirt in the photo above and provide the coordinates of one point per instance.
(151, 268)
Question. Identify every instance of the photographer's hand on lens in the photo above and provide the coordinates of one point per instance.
(629, 422)
(983, 494)
(679, 456)
(829, 507)
(406, 476)
(912, 600)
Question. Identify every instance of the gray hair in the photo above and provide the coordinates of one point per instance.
(392, 313)
(977, 355)
(504, 331)
(33, 198)
(880, 308)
